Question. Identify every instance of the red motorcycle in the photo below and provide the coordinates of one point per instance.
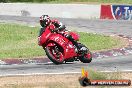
(59, 49)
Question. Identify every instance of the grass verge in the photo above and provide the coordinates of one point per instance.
(90, 1)
(20, 41)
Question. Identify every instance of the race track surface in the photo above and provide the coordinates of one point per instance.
(110, 27)
(121, 63)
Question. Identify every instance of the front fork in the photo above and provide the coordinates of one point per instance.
(82, 49)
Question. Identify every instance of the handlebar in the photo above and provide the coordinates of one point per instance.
(58, 30)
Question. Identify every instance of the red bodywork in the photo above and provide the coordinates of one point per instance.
(48, 38)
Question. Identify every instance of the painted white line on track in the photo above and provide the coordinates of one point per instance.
(118, 71)
(49, 62)
(62, 73)
(29, 74)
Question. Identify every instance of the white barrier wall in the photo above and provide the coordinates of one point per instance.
(53, 10)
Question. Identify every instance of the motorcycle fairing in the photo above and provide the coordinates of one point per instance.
(75, 36)
(43, 37)
(65, 44)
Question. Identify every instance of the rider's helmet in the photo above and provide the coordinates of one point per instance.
(44, 20)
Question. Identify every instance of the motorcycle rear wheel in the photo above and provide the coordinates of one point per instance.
(53, 56)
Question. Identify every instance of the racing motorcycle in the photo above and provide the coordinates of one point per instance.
(59, 49)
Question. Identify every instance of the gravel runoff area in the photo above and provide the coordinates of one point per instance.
(51, 81)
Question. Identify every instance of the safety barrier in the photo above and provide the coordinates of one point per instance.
(53, 10)
(86, 11)
(117, 12)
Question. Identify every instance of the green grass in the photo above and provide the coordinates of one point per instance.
(91, 1)
(72, 1)
(19, 41)
(98, 42)
(96, 75)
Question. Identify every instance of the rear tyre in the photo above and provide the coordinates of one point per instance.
(55, 56)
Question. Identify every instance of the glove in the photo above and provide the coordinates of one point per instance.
(69, 37)
(62, 28)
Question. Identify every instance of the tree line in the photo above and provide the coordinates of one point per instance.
(6, 1)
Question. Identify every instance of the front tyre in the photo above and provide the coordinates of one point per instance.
(55, 54)
(87, 58)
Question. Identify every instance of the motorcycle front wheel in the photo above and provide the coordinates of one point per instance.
(87, 58)
(55, 54)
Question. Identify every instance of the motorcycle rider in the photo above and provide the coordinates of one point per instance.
(45, 21)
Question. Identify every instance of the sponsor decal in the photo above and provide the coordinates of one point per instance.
(123, 12)
(84, 80)
(117, 12)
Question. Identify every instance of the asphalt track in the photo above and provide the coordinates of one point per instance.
(109, 27)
